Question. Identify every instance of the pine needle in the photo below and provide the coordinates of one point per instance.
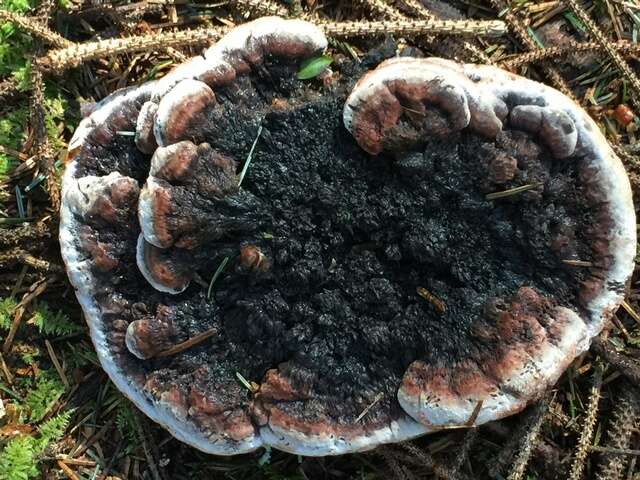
(217, 273)
(247, 162)
(182, 346)
(512, 191)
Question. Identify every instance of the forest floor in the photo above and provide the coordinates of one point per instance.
(60, 417)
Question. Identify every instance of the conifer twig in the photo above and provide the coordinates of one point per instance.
(8, 88)
(529, 441)
(623, 47)
(588, 426)
(625, 418)
(259, 8)
(418, 10)
(42, 151)
(381, 9)
(490, 28)
(62, 59)
(35, 28)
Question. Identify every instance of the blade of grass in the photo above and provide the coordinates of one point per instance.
(247, 162)
(217, 273)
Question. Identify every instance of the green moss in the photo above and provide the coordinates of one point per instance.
(19, 459)
(14, 44)
(41, 398)
(7, 306)
(50, 322)
(13, 132)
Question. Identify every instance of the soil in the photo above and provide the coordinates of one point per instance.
(349, 239)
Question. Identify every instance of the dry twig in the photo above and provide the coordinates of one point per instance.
(625, 418)
(35, 291)
(35, 28)
(529, 441)
(588, 427)
(626, 365)
(58, 61)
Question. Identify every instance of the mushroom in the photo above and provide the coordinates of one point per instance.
(355, 287)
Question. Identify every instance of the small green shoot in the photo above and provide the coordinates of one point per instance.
(157, 68)
(245, 383)
(41, 399)
(313, 67)
(217, 273)
(126, 424)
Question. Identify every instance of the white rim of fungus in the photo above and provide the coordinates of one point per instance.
(180, 94)
(490, 89)
(147, 274)
(292, 441)
(145, 214)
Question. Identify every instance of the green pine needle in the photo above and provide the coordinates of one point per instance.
(218, 272)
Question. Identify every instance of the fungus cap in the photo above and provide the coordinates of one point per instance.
(346, 355)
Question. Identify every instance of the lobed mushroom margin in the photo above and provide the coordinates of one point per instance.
(480, 98)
